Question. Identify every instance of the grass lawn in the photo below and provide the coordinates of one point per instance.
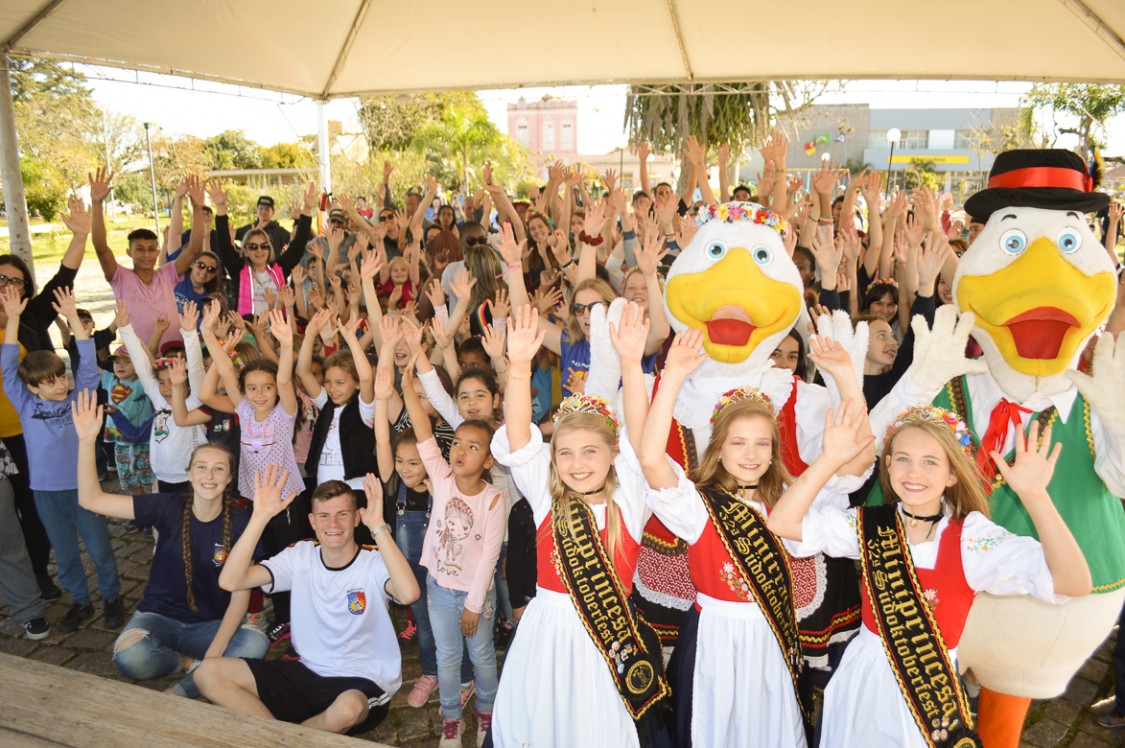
(50, 246)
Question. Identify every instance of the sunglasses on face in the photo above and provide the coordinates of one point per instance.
(207, 268)
(252, 246)
(474, 241)
(580, 309)
(387, 217)
(5, 280)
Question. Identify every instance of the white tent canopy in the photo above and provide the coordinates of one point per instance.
(351, 47)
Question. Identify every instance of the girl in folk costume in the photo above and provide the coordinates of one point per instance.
(584, 669)
(924, 555)
(738, 673)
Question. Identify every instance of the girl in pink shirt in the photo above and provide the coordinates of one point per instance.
(460, 550)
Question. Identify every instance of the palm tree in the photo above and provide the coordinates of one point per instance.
(460, 134)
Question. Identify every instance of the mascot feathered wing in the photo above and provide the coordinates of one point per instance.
(736, 281)
(1035, 286)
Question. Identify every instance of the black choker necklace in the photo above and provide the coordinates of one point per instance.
(915, 519)
(599, 489)
(748, 487)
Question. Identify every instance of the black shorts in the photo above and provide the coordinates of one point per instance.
(293, 693)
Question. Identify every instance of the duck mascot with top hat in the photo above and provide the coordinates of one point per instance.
(1032, 289)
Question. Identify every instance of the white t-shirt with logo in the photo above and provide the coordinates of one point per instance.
(331, 465)
(340, 623)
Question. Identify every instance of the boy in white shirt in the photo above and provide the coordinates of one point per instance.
(350, 663)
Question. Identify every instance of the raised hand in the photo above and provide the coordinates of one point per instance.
(493, 341)
(372, 515)
(650, 252)
(643, 151)
(595, 218)
(280, 329)
(694, 152)
(686, 353)
(524, 335)
(939, 354)
(775, 147)
(934, 254)
(100, 184)
(269, 500)
(177, 370)
(87, 415)
(435, 293)
(610, 180)
(123, 316)
(161, 324)
(64, 303)
(630, 336)
(462, 284)
(546, 299)
(842, 439)
(371, 266)
(411, 333)
(78, 217)
(189, 317)
(830, 356)
(384, 383)
(827, 251)
(390, 330)
(506, 244)
(195, 190)
(500, 307)
(1034, 466)
(310, 198)
(215, 190)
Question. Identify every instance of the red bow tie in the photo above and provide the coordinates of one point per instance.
(1005, 414)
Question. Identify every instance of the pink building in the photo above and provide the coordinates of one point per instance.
(548, 128)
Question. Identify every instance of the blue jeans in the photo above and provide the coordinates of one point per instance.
(410, 531)
(164, 639)
(65, 521)
(502, 597)
(446, 606)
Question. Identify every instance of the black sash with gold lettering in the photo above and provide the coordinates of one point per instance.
(763, 563)
(629, 646)
(919, 658)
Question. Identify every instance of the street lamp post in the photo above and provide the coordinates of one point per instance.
(152, 178)
(892, 137)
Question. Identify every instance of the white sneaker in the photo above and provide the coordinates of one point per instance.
(451, 730)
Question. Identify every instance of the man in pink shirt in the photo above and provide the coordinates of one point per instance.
(148, 291)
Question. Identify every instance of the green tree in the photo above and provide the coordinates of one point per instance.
(56, 117)
(44, 187)
(1086, 107)
(392, 123)
(287, 156)
(921, 173)
(735, 113)
(463, 134)
(231, 149)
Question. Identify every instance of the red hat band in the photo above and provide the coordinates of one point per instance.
(1043, 176)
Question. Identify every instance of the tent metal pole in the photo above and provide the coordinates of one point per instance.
(15, 203)
(152, 178)
(322, 147)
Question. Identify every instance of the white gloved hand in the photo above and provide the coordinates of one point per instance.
(604, 378)
(1103, 390)
(939, 354)
(854, 341)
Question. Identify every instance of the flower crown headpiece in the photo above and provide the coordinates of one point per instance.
(738, 394)
(162, 363)
(583, 403)
(933, 414)
(731, 212)
(881, 281)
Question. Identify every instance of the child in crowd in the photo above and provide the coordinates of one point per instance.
(184, 616)
(460, 552)
(39, 390)
(588, 503)
(936, 521)
(128, 423)
(171, 445)
(737, 672)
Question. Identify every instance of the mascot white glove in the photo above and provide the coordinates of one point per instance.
(604, 378)
(1103, 390)
(939, 354)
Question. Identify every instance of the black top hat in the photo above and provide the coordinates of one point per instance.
(1055, 179)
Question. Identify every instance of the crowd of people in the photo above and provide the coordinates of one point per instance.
(320, 423)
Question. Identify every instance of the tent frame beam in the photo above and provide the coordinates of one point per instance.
(30, 26)
(1096, 24)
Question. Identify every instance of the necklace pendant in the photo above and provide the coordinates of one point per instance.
(913, 523)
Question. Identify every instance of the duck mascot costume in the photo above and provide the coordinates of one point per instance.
(737, 282)
(1033, 288)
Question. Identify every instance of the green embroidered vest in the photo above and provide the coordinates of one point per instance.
(1092, 513)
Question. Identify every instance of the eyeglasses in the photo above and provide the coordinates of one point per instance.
(5, 280)
(386, 217)
(474, 241)
(251, 246)
(580, 309)
(207, 268)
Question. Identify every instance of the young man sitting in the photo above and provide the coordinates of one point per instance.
(350, 663)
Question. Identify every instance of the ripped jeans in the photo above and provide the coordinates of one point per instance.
(157, 652)
(445, 607)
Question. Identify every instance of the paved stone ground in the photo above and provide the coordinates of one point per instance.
(1065, 721)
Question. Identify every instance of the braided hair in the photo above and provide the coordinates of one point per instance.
(228, 520)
